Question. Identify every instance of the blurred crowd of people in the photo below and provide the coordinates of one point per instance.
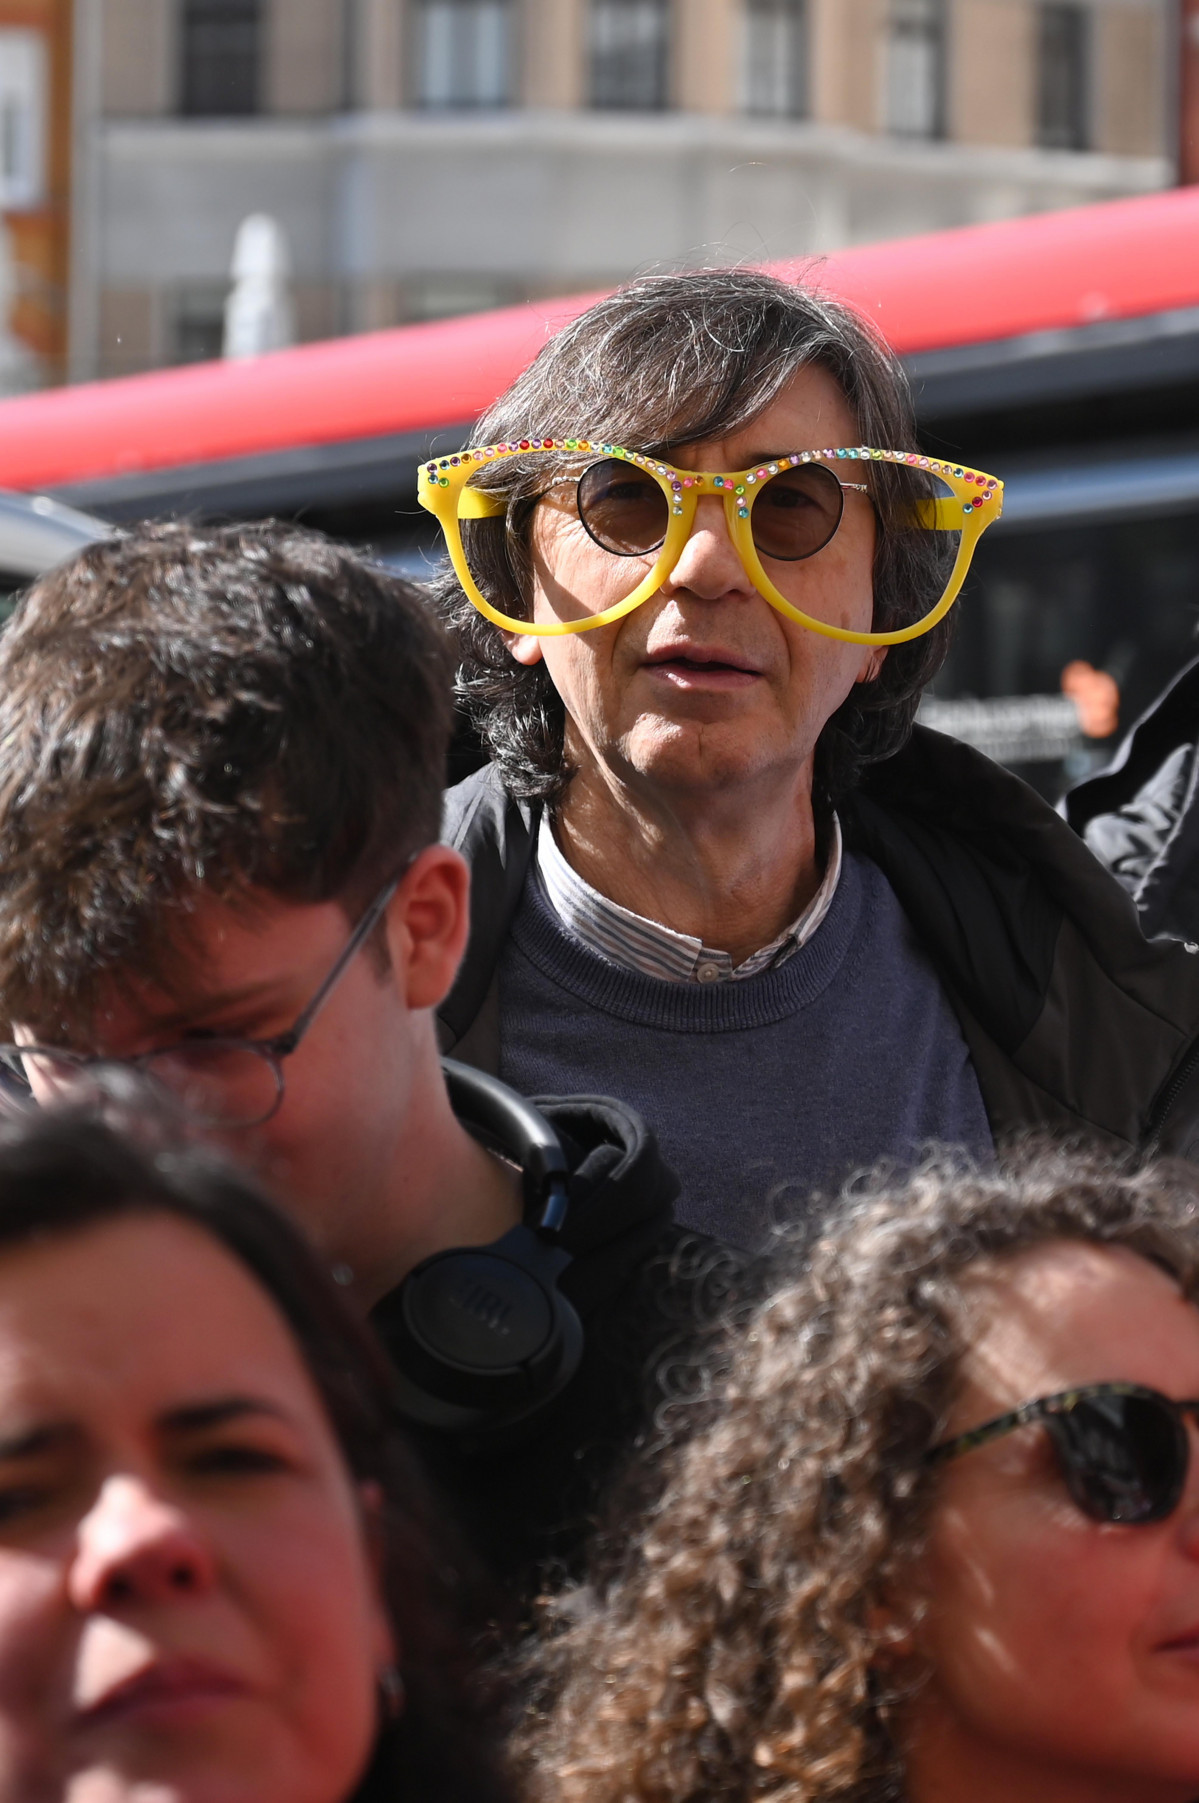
(665, 1273)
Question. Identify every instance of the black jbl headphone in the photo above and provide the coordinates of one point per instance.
(481, 1336)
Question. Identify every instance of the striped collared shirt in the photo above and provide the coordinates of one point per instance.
(654, 950)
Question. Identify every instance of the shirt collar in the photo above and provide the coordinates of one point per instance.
(654, 950)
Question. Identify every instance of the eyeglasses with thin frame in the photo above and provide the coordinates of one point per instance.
(221, 1081)
(634, 505)
(1123, 1449)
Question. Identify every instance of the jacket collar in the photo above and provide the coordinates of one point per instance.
(982, 865)
(622, 1194)
(1037, 945)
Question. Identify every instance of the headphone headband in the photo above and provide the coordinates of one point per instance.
(522, 1131)
(481, 1336)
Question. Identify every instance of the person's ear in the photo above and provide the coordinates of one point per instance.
(385, 1650)
(872, 663)
(428, 922)
(893, 1618)
(524, 648)
(893, 1634)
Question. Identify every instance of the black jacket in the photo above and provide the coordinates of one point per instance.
(1140, 816)
(643, 1287)
(1074, 1020)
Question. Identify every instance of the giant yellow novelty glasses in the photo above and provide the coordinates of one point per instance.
(786, 509)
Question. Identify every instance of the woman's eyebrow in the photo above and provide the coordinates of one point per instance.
(195, 1417)
(47, 1436)
(190, 1418)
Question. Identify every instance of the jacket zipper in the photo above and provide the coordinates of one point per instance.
(1165, 1099)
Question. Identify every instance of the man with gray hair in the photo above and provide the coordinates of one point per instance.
(701, 574)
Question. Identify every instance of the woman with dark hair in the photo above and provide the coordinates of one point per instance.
(217, 1575)
(938, 1536)
(701, 571)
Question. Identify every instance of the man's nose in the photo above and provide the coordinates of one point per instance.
(709, 565)
(135, 1546)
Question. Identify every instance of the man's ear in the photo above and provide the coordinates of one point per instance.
(524, 647)
(428, 921)
(872, 663)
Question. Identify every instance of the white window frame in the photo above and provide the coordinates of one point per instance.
(620, 31)
(777, 76)
(454, 74)
(916, 69)
(24, 104)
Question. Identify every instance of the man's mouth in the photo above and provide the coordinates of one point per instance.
(702, 667)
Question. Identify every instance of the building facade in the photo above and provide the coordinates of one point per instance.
(425, 157)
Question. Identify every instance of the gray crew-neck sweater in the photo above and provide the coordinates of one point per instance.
(762, 1090)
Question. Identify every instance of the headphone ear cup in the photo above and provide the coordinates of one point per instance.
(482, 1337)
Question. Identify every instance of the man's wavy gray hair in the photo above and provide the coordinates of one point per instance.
(670, 361)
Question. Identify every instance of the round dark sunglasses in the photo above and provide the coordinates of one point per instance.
(794, 514)
(1124, 1450)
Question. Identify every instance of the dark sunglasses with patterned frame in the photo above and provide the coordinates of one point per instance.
(1123, 1449)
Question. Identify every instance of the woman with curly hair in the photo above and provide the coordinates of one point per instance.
(937, 1535)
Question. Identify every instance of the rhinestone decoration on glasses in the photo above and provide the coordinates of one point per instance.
(967, 502)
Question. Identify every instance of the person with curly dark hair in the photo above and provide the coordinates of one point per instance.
(220, 1574)
(703, 574)
(937, 1535)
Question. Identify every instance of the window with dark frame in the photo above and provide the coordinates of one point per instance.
(463, 53)
(221, 50)
(776, 58)
(916, 52)
(630, 54)
(1063, 110)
